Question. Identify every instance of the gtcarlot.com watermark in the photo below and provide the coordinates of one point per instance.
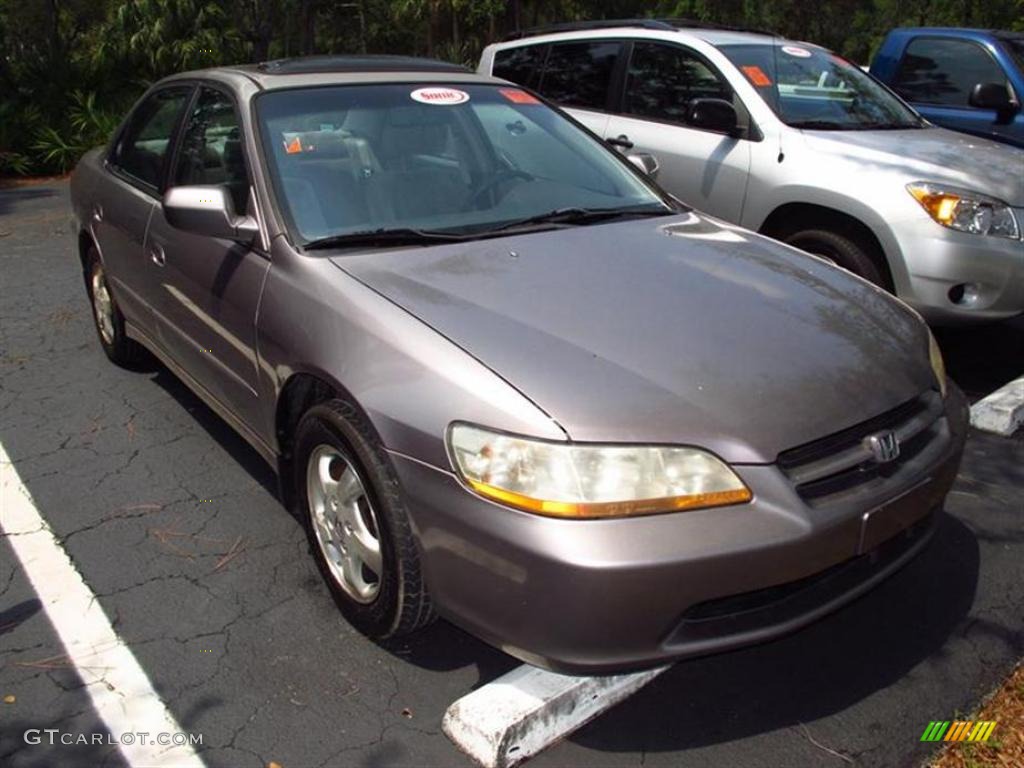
(55, 736)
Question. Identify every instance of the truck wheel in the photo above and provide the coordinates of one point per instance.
(842, 250)
(107, 316)
(357, 525)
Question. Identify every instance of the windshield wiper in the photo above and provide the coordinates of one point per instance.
(821, 125)
(573, 216)
(887, 126)
(401, 236)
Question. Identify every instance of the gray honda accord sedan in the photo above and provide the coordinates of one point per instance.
(502, 376)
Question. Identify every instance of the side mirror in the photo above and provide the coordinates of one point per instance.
(712, 115)
(207, 210)
(646, 162)
(991, 96)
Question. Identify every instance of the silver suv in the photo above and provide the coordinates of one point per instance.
(793, 141)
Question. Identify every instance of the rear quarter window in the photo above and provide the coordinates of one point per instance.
(520, 65)
(580, 74)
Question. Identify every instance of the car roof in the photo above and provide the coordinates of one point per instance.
(712, 34)
(338, 70)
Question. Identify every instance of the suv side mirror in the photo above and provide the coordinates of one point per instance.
(991, 96)
(645, 161)
(207, 210)
(712, 115)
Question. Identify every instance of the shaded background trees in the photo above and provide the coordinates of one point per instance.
(69, 68)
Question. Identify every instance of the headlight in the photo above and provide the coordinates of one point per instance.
(573, 480)
(938, 366)
(966, 211)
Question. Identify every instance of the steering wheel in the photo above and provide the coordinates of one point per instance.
(499, 177)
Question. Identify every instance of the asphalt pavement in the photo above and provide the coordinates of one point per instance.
(173, 522)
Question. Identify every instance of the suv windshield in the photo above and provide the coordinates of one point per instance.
(809, 87)
(413, 162)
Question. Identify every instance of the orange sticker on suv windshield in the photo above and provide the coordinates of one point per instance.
(518, 97)
(292, 147)
(757, 76)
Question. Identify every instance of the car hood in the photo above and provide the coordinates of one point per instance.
(681, 330)
(932, 154)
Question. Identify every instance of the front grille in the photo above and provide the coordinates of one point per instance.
(842, 462)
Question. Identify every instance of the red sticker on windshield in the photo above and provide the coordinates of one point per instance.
(757, 76)
(518, 97)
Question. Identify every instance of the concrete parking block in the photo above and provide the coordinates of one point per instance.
(1002, 411)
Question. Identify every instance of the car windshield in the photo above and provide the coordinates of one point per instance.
(401, 162)
(1015, 45)
(809, 87)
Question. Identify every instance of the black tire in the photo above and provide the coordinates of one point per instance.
(120, 349)
(401, 604)
(846, 250)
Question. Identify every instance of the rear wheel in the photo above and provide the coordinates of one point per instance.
(107, 316)
(356, 522)
(843, 250)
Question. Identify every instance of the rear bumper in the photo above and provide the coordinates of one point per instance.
(603, 596)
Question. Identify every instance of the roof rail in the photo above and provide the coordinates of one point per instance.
(361, 63)
(664, 24)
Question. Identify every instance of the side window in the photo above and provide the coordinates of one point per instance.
(578, 74)
(520, 65)
(142, 148)
(211, 147)
(937, 71)
(663, 79)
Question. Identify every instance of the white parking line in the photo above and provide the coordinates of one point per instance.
(1002, 411)
(521, 713)
(118, 687)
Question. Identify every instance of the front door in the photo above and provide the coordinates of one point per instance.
(211, 288)
(704, 168)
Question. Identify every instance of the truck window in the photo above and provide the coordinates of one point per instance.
(520, 65)
(663, 79)
(578, 74)
(945, 71)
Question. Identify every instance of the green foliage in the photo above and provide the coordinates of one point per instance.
(70, 68)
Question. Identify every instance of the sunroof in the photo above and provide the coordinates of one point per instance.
(365, 63)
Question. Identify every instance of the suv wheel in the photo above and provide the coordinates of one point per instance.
(107, 316)
(356, 522)
(843, 251)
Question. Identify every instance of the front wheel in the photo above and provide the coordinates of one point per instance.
(843, 251)
(356, 522)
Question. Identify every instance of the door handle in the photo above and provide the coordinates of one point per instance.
(97, 213)
(622, 142)
(157, 255)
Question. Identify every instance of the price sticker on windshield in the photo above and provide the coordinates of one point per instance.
(795, 50)
(441, 96)
(757, 76)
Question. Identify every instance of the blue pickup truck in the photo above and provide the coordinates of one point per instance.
(969, 80)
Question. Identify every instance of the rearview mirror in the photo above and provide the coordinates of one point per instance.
(712, 115)
(991, 96)
(207, 210)
(645, 161)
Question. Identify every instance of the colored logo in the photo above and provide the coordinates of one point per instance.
(439, 96)
(958, 730)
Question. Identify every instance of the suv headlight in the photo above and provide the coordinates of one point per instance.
(585, 481)
(938, 365)
(966, 211)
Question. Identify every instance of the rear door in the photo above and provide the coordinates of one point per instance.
(706, 169)
(938, 74)
(124, 200)
(211, 288)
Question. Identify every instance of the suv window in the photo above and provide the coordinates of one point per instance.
(520, 65)
(142, 148)
(937, 71)
(663, 79)
(211, 147)
(578, 74)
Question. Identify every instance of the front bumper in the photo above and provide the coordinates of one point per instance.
(938, 260)
(603, 596)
